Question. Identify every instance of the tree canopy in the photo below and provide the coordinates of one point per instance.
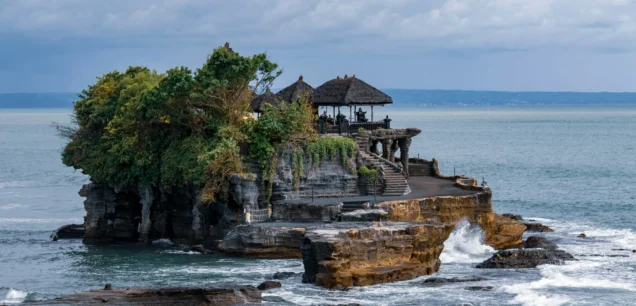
(143, 128)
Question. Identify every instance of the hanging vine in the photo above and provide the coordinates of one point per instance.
(298, 159)
(332, 148)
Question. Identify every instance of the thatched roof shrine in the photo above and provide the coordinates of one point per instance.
(349, 91)
(258, 103)
(292, 92)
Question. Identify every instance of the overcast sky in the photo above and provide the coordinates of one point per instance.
(536, 45)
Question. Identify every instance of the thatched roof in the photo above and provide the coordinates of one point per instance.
(292, 92)
(258, 103)
(349, 91)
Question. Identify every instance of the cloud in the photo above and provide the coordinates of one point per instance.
(379, 24)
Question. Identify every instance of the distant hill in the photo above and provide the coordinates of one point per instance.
(37, 100)
(453, 98)
(401, 98)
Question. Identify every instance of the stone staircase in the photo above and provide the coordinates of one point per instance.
(394, 182)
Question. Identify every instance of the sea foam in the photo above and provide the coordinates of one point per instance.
(465, 244)
(14, 297)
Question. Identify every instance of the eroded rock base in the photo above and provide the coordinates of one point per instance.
(360, 254)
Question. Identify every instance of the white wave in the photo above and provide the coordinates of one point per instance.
(465, 244)
(14, 297)
(163, 241)
(28, 220)
(13, 184)
(12, 206)
(578, 274)
(180, 252)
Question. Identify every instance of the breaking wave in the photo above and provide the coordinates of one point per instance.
(465, 244)
(14, 297)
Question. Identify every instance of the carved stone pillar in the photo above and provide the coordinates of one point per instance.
(394, 148)
(374, 146)
(386, 148)
(404, 155)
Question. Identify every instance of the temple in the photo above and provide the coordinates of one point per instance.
(357, 212)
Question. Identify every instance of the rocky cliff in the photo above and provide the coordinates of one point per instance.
(361, 254)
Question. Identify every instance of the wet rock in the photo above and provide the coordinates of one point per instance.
(536, 242)
(364, 215)
(524, 258)
(71, 231)
(160, 296)
(283, 275)
(479, 288)
(502, 232)
(342, 255)
(266, 285)
(199, 248)
(537, 227)
(108, 287)
(442, 280)
(265, 240)
(582, 235)
(513, 217)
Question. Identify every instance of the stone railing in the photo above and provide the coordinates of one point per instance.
(257, 215)
(388, 162)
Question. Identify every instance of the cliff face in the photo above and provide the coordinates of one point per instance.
(149, 214)
(362, 254)
(330, 179)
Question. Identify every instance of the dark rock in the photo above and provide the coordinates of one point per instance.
(364, 215)
(71, 231)
(305, 212)
(283, 275)
(160, 296)
(199, 248)
(582, 235)
(535, 242)
(513, 216)
(108, 287)
(442, 280)
(479, 288)
(264, 240)
(537, 227)
(524, 258)
(266, 285)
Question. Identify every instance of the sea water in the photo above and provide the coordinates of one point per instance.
(569, 168)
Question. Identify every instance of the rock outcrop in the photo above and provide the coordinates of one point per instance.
(537, 227)
(265, 240)
(342, 255)
(501, 232)
(161, 296)
(266, 285)
(524, 258)
(535, 242)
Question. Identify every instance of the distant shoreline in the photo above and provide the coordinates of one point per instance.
(403, 98)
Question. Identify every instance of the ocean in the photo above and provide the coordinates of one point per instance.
(570, 168)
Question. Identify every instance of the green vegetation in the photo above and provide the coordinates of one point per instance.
(371, 174)
(143, 128)
(331, 147)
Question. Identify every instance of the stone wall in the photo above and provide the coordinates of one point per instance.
(330, 179)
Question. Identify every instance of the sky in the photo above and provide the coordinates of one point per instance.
(511, 45)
